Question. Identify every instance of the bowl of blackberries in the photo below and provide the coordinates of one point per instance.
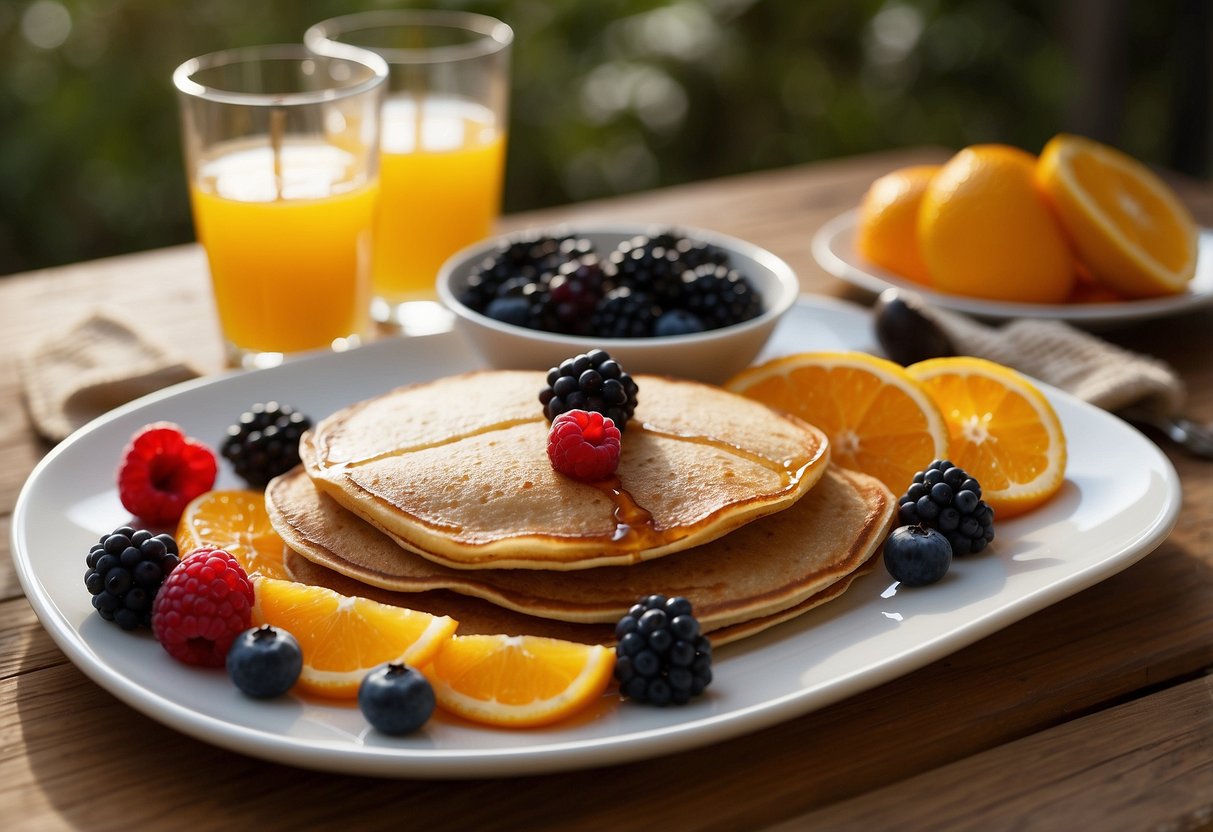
(667, 300)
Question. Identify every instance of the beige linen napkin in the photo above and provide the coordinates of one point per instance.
(1078, 362)
(91, 367)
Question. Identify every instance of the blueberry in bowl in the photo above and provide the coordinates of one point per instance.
(670, 300)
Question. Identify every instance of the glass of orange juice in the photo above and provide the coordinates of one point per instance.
(442, 153)
(282, 159)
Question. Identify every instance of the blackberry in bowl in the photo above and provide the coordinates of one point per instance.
(669, 300)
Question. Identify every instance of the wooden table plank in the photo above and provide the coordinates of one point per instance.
(1154, 760)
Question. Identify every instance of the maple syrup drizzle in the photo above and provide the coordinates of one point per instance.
(631, 519)
(425, 446)
(634, 523)
(789, 471)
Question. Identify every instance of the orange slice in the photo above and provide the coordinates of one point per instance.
(1128, 226)
(343, 637)
(235, 521)
(518, 681)
(879, 420)
(1003, 430)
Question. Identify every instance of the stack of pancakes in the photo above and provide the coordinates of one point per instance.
(440, 497)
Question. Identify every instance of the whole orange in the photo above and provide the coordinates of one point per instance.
(887, 232)
(985, 230)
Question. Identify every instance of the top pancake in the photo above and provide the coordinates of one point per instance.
(457, 471)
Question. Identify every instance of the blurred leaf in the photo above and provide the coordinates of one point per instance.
(607, 96)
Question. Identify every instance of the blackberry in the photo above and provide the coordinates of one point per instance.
(574, 293)
(661, 657)
(265, 442)
(534, 257)
(125, 571)
(945, 498)
(523, 301)
(593, 381)
(695, 253)
(625, 313)
(719, 296)
(651, 265)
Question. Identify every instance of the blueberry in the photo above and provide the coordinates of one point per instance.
(677, 322)
(917, 555)
(509, 310)
(264, 662)
(396, 699)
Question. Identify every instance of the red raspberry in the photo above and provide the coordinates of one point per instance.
(584, 445)
(161, 471)
(203, 605)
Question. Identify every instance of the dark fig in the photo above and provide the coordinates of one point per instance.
(906, 334)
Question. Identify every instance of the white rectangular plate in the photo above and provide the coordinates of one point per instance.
(1120, 500)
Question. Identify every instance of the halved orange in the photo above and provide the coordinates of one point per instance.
(1128, 226)
(879, 420)
(237, 522)
(518, 681)
(1003, 430)
(344, 637)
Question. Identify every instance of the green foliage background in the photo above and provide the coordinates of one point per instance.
(608, 96)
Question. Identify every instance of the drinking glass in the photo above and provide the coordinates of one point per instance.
(282, 156)
(442, 149)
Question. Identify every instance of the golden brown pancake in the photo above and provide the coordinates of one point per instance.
(457, 470)
(480, 617)
(765, 567)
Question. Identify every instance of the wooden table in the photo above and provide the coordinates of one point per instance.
(1098, 709)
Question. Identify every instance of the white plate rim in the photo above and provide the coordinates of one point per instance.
(833, 249)
(559, 754)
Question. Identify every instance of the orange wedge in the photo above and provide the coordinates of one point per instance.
(518, 681)
(235, 521)
(343, 638)
(1128, 226)
(1003, 430)
(879, 420)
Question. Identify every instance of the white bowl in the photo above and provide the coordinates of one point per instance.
(710, 356)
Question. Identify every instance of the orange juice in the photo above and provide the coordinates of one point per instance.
(440, 183)
(289, 251)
